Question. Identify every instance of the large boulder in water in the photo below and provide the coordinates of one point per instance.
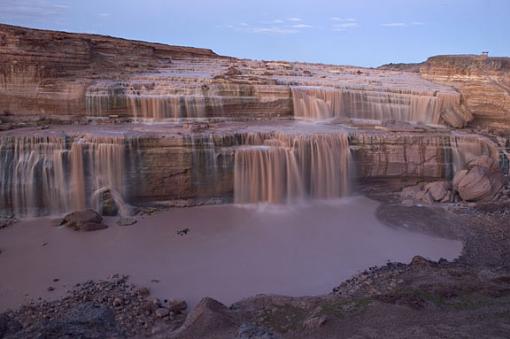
(107, 204)
(481, 180)
(85, 220)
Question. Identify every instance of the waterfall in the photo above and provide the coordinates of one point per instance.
(34, 175)
(157, 100)
(465, 149)
(54, 174)
(320, 103)
(290, 168)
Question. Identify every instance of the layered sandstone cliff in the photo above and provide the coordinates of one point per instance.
(483, 82)
(47, 73)
(74, 76)
(154, 123)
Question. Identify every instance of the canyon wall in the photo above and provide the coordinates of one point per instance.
(54, 171)
(62, 76)
(136, 123)
(484, 83)
(46, 73)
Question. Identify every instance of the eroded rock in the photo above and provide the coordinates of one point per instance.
(85, 220)
(107, 204)
(208, 317)
(481, 180)
(437, 191)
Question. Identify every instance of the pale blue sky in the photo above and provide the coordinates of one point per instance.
(360, 32)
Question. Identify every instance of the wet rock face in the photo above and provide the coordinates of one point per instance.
(77, 76)
(47, 72)
(107, 204)
(85, 221)
(481, 180)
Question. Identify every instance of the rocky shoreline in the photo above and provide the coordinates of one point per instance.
(429, 142)
(469, 296)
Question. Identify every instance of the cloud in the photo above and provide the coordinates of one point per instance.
(104, 15)
(32, 9)
(275, 30)
(276, 26)
(403, 24)
(348, 25)
(343, 24)
(394, 24)
(335, 18)
(302, 26)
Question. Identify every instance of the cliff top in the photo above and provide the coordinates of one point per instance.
(8, 33)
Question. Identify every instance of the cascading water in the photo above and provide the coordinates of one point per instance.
(465, 149)
(52, 175)
(321, 103)
(34, 175)
(158, 100)
(290, 168)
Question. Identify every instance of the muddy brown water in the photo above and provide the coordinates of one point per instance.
(230, 253)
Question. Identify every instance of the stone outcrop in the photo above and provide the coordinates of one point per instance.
(163, 163)
(85, 221)
(46, 73)
(215, 116)
(428, 193)
(480, 180)
(209, 318)
(484, 83)
(54, 75)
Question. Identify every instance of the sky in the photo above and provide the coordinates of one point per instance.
(347, 32)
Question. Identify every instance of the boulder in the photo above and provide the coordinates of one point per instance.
(409, 193)
(126, 221)
(425, 197)
(208, 318)
(419, 261)
(486, 162)
(457, 117)
(162, 312)
(177, 306)
(458, 178)
(107, 205)
(438, 190)
(481, 180)
(85, 220)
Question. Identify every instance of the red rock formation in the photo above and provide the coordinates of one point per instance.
(47, 72)
(484, 83)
